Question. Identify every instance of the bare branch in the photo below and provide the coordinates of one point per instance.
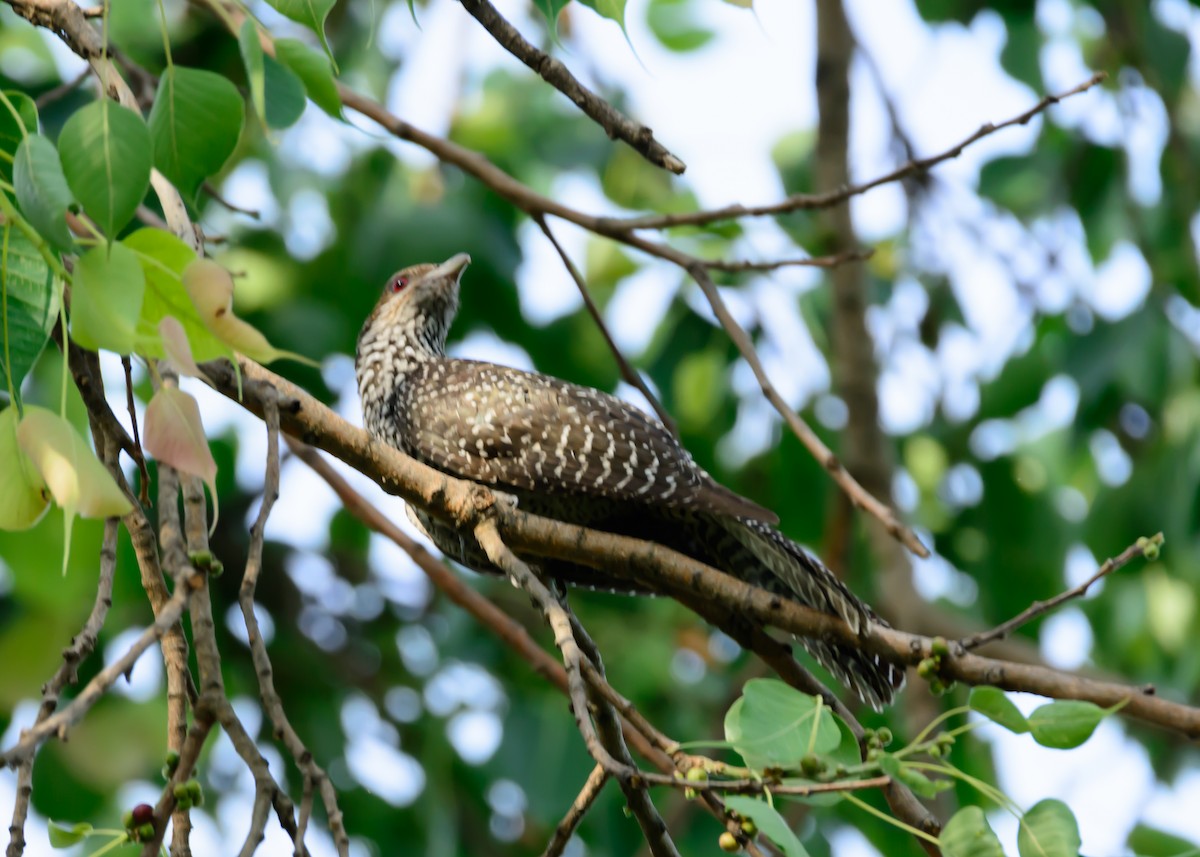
(631, 375)
(833, 261)
(603, 739)
(579, 807)
(828, 199)
(615, 124)
(1038, 608)
(314, 775)
(81, 646)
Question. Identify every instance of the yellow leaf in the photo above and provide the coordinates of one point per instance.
(23, 495)
(77, 480)
(211, 289)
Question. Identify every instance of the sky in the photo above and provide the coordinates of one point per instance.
(722, 109)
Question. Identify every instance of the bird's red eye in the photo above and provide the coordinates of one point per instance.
(398, 284)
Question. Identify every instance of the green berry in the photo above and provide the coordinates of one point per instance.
(1150, 552)
(811, 765)
(885, 736)
(749, 827)
(145, 833)
(127, 819)
(939, 647)
(697, 775)
(216, 568)
(728, 842)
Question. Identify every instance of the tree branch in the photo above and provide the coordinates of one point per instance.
(615, 124)
(1038, 608)
(653, 565)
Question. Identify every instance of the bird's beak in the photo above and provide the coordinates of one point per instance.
(452, 268)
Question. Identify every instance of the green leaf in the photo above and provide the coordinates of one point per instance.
(612, 9)
(106, 154)
(699, 388)
(1048, 830)
(310, 13)
(773, 725)
(254, 60)
(1065, 724)
(315, 72)
(106, 298)
(13, 128)
(42, 190)
(284, 94)
(195, 124)
(769, 821)
(29, 298)
(66, 835)
(23, 495)
(993, 704)
(551, 9)
(967, 834)
(164, 257)
(673, 27)
(1152, 842)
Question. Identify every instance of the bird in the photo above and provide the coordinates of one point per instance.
(578, 455)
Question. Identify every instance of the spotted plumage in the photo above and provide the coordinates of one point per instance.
(577, 455)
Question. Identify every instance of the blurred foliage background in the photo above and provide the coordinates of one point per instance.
(1036, 315)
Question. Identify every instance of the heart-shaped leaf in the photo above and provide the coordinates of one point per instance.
(42, 190)
(163, 258)
(29, 301)
(774, 725)
(211, 289)
(315, 72)
(106, 155)
(967, 834)
(1049, 830)
(175, 436)
(195, 124)
(107, 291)
(310, 13)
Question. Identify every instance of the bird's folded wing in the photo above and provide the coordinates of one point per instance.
(532, 432)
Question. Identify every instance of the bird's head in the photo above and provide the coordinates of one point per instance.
(416, 307)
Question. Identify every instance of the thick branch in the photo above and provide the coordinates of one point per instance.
(304, 417)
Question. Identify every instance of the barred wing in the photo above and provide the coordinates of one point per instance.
(531, 432)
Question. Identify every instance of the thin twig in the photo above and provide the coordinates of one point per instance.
(62, 90)
(1037, 608)
(630, 374)
(272, 702)
(831, 261)
(579, 808)
(615, 124)
(858, 495)
(603, 739)
(139, 455)
(80, 647)
(828, 199)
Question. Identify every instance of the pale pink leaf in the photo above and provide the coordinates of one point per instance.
(175, 436)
